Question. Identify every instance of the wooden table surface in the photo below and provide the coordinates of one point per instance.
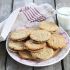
(6, 62)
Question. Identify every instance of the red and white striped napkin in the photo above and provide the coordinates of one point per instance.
(31, 14)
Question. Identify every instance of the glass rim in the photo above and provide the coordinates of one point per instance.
(59, 5)
(62, 13)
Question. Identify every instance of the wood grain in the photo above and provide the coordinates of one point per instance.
(66, 61)
(56, 66)
(5, 8)
(2, 55)
(21, 3)
(13, 65)
(44, 1)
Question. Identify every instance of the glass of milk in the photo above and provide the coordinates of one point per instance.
(63, 16)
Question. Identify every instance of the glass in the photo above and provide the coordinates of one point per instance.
(63, 15)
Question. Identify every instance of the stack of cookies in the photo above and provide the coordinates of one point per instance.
(39, 43)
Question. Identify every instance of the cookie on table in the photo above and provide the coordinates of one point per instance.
(15, 45)
(19, 34)
(40, 35)
(49, 26)
(44, 53)
(57, 41)
(25, 55)
(30, 45)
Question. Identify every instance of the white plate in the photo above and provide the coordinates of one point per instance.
(50, 61)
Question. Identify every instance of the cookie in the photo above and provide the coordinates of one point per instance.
(26, 55)
(30, 30)
(56, 52)
(11, 50)
(30, 45)
(14, 45)
(19, 34)
(57, 41)
(56, 32)
(40, 35)
(43, 54)
(49, 26)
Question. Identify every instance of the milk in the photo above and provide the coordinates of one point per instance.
(63, 16)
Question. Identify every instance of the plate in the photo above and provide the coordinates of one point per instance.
(50, 61)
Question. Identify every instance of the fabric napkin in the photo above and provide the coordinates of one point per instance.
(18, 20)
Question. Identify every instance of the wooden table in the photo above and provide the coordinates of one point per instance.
(6, 62)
